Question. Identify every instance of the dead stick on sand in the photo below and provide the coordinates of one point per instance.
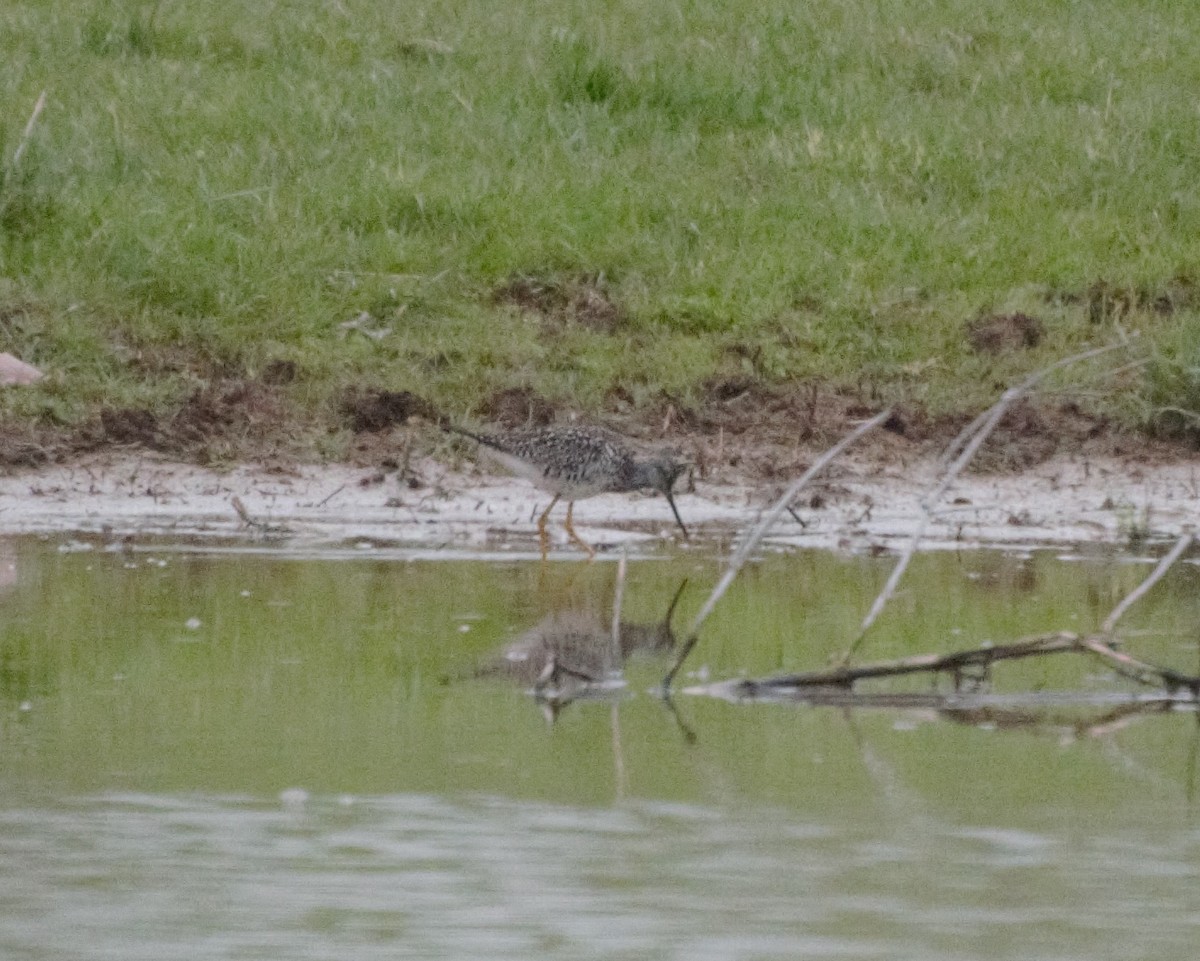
(330, 496)
(240, 509)
(970, 439)
(759, 532)
(252, 522)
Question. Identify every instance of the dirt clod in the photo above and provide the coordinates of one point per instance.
(280, 372)
(129, 425)
(1106, 301)
(997, 333)
(724, 390)
(581, 300)
(517, 407)
(1031, 433)
(21, 447)
(228, 419)
(370, 410)
(896, 424)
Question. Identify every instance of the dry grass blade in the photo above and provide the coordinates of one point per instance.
(759, 532)
(28, 132)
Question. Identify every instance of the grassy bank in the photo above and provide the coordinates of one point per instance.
(617, 206)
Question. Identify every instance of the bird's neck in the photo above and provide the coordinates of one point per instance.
(639, 474)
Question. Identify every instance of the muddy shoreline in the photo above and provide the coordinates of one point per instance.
(862, 505)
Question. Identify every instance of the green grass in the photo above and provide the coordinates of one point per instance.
(787, 193)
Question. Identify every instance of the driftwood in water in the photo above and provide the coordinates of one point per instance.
(971, 663)
(839, 681)
(976, 663)
(956, 456)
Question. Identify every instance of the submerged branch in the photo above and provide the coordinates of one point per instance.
(759, 532)
(843, 677)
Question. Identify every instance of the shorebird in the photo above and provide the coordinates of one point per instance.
(576, 462)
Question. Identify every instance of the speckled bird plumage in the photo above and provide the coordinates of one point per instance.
(577, 462)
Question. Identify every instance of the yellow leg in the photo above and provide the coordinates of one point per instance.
(543, 535)
(591, 551)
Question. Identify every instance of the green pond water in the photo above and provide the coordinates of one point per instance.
(243, 753)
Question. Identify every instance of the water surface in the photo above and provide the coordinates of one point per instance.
(240, 754)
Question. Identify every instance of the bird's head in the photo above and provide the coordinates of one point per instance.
(660, 473)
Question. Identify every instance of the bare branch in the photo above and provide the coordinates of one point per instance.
(843, 678)
(846, 676)
(1181, 545)
(760, 530)
(970, 439)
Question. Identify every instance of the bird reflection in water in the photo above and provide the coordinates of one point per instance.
(573, 654)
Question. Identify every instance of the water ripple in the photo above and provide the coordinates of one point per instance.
(145, 877)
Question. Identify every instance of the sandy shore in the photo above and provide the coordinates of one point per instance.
(860, 506)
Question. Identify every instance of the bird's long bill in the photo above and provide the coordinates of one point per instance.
(678, 519)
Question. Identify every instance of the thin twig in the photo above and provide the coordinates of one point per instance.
(29, 125)
(1181, 545)
(760, 530)
(253, 523)
(982, 427)
(330, 496)
(1188, 415)
(240, 509)
(618, 597)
